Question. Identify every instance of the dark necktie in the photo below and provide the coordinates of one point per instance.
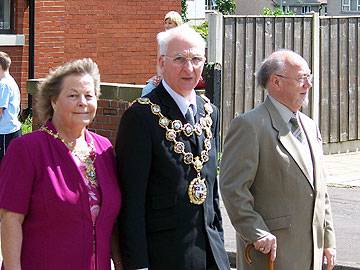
(189, 116)
(296, 130)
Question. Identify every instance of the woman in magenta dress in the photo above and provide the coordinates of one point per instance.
(59, 194)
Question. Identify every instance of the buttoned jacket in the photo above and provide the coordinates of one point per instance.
(159, 227)
(40, 179)
(266, 188)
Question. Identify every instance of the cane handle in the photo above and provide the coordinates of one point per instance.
(248, 259)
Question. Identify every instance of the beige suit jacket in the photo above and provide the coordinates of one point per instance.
(266, 188)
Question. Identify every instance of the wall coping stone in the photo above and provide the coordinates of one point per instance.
(115, 91)
(12, 40)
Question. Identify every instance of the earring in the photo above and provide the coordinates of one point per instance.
(53, 105)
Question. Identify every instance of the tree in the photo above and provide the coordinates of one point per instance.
(276, 12)
(184, 10)
(202, 29)
(226, 7)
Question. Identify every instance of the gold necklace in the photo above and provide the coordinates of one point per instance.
(86, 156)
(197, 190)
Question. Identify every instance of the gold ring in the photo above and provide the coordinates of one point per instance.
(261, 249)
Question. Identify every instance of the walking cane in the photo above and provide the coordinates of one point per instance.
(248, 259)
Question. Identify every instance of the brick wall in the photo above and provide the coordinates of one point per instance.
(49, 35)
(108, 117)
(119, 35)
(19, 54)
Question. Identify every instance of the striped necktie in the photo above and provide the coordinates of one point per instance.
(190, 115)
(296, 130)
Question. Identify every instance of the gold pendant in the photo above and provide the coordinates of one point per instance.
(143, 100)
(188, 130)
(197, 190)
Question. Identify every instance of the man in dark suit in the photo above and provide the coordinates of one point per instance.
(167, 147)
(272, 178)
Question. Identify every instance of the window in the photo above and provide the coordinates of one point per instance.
(350, 5)
(325, 11)
(345, 6)
(6, 16)
(305, 9)
(210, 4)
(286, 9)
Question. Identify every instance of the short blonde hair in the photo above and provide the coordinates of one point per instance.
(50, 88)
(174, 17)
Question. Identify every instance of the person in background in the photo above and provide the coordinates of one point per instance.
(172, 19)
(167, 149)
(272, 179)
(59, 195)
(10, 126)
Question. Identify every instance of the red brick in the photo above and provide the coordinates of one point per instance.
(121, 38)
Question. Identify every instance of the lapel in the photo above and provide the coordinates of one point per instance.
(313, 140)
(200, 108)
(284, 136)
(170, 109)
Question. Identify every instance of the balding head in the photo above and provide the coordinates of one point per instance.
(287, 78)
(276, 63)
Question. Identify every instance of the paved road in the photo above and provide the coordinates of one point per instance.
(343, 169)
(345, 202)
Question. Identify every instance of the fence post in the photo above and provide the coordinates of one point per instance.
(215, 56)
(213, 83)
(215, 38)
(315, 112)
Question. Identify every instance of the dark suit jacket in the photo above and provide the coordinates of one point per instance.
(159, 227)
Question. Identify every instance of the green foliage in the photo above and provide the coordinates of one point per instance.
(207, 69)
(183, 10)
(26, 126)
(202, 29)
(276, 12)
(226, 7)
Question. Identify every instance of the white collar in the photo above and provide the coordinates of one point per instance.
(182, 102)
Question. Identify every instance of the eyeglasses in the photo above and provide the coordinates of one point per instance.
(181, 60)
(301, 80)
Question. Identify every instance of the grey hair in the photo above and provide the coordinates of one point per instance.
(50, 88)
(275, 63)
(268, 67)
(185, 31)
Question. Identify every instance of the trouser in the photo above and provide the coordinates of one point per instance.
(5, 140)
(210, 260)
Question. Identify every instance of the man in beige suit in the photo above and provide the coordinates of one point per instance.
(272, 178)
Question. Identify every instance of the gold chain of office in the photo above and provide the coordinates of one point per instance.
(197, 190)
(87, 156)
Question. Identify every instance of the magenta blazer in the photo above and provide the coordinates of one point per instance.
(39, 178)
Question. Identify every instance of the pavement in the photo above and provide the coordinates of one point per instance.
(343, 182)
